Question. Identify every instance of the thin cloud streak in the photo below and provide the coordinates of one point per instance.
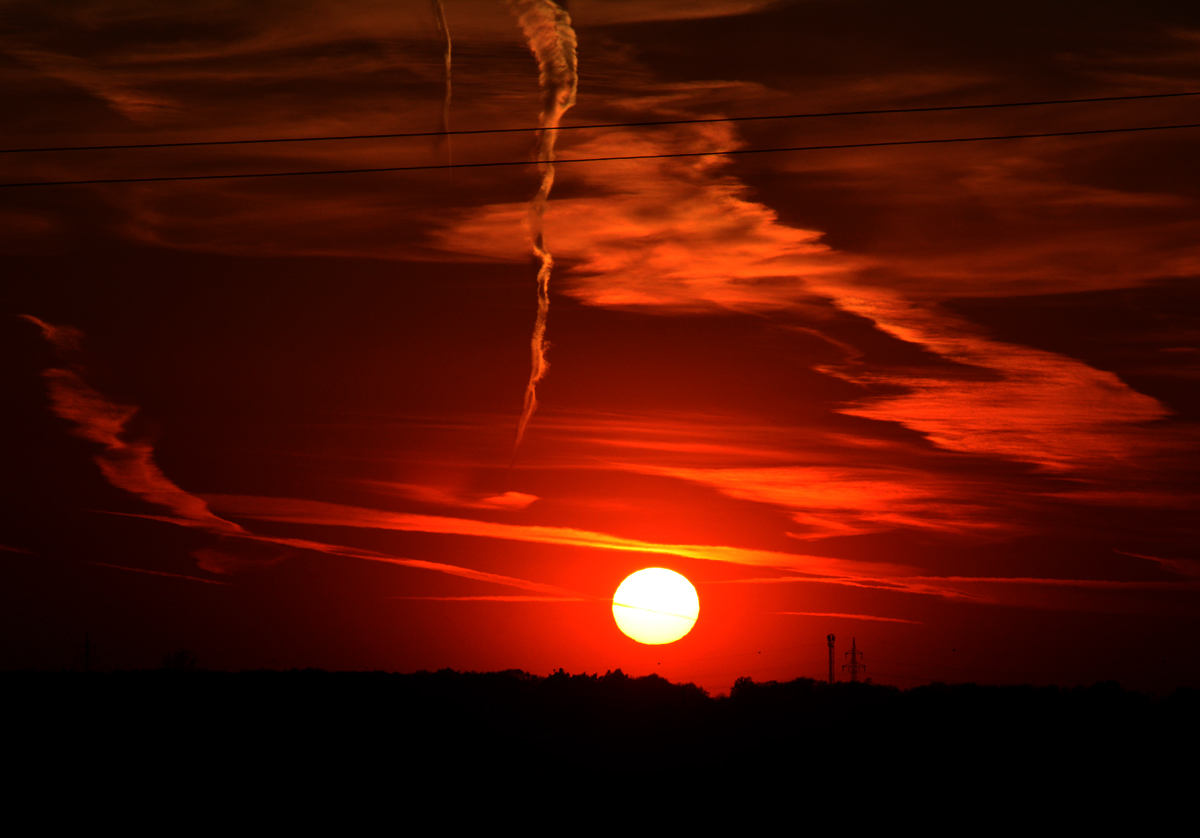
(1105, 584)
(374, 556)
(1184, 567)
(439, 496)
(926, 584)
(1043, 594)
(160, 573)
(847, 617)
(295, 511)
(126, 465)
(421, 564)
(900, 584)
(1039, 407)
(496, 598)
(102, 83)
(846, 500)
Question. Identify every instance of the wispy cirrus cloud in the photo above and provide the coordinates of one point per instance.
(160, 573)
(847, 500)
(1030, 405)
(297, 511)
(1043, 593)
(1099, 584)
(952, 585)
(442, 496)
(633, 11)
(146, 570)
(497, 598)
(113, 87)
(1189, 568)
(669, 234)
(420, 564)
(129, 466)
(899, 584)
(228, 559)
(847, 617)
(682, 236)
(126, 464)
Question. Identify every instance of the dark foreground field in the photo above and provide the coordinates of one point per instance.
(421, 736)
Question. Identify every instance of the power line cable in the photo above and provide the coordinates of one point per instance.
(710, 153)
(414, 134)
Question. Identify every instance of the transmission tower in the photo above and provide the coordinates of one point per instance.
(830, 638)
(855, 666)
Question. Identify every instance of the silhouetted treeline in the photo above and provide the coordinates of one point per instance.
(563, 731)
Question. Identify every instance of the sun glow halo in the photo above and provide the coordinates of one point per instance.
(656, 606)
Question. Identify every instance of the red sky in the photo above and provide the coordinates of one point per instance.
(937, 398)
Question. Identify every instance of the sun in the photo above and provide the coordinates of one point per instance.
(656, 606)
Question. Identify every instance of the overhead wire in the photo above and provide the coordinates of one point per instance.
(595, 126)
(567, 160)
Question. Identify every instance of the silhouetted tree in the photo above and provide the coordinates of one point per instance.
(179, 661)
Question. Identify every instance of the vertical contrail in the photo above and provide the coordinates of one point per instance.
(547, 28)
(439, 14)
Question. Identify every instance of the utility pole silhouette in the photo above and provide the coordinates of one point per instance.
(855, 666)
(830, 638)
(89, 650)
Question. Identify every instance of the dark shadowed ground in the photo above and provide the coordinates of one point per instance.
(325, 738)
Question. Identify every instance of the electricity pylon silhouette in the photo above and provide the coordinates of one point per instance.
(855, 666)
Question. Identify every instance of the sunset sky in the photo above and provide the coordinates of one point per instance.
(941, 399)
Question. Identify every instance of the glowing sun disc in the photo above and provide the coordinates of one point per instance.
(656, 606)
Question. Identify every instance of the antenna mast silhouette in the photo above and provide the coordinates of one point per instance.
(88, 648)
(830, 638)
(855, 666)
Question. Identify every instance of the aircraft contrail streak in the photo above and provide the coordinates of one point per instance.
(547, 28)
(439, 14)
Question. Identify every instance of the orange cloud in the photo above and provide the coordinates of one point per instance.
(899, 584)
(296, 511)
(110, 85)
(832, 500)
(439, 567)
(683, 236)
(699, 437)
(680, 235)
(1063, 236)
(1031, 406)
(602, 12)
(497, 598)
(444, 497)
(663, 233)
(126, 465)
(227, 561)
